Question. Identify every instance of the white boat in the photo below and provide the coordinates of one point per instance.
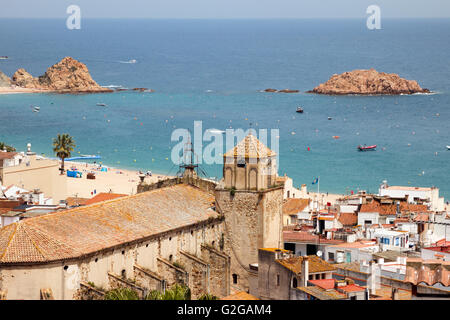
(448, 147)
(3, 57)
(101, 104)
(216, 131)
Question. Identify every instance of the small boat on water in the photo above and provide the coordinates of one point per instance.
(101, 104)
(329, 118)
(367, 148)
(3, 57)
(448, 147)
(299, 110)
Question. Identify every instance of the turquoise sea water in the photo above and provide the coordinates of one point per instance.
(212, 70)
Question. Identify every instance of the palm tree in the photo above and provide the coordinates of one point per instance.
(63, 145)
(4, 146)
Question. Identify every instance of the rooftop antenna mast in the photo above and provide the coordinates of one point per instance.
(190, 161)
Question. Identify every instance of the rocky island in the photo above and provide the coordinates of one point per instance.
(368, 82)
(67, 76)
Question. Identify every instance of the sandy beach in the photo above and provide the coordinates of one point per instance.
(16, 89)
(113, 180)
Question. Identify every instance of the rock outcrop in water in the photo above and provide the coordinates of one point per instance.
(367, 82)
(4, 80)
(67, 76)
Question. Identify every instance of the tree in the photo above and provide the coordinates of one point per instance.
(63, 145)
(121, 294)
(8, 148)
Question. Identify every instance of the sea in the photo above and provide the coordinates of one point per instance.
(214, 70)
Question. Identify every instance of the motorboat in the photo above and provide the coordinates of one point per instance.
(299, 110)
(367, 148)
(101, 104)
(3, 57)
(448, 147)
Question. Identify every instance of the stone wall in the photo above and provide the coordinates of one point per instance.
(198, 271)
(116, 281)
(219, 271)
(88, 292)
(172, 274)
(148, 279)
(253, 220)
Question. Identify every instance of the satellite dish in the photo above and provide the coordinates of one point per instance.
(319, 253)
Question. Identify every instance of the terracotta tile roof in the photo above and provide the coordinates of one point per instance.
(352, 288)
(89, 229)
(322, 294)
(348, 219)
(104, 197)
(375, 206)
(315, 264)
(7, 155)
(75, 201)
(294, 206)
(307, 237)
(422, 217)
(323, 283)
(391, 209)
(250, 147)
(242, 295)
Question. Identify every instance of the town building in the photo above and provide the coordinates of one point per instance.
(30, 171)
(414, 195)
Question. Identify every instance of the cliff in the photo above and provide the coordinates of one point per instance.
(67, 76)
(4, 80)
(367, 82)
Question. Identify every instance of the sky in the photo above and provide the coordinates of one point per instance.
(224, 9)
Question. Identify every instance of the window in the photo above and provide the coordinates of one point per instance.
(288, 194)
(353, 298)
(367, 221)
(278, 280)
(124, 273)
(235, 278)
(294, 283)
(170, 258)
(311, 277)
(330, 256)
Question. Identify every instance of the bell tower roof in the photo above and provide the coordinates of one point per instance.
(250, 147)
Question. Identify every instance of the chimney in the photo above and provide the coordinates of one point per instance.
(305, 271)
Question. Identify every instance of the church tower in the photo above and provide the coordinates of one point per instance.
(251, 202)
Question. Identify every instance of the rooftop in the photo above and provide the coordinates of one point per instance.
(7, 155)
(89, 229)
(315, 264)
(324, 283)
(242, 295)
(357, 244)
(322, 294)
(307, 237)
(348, 219)
(104, 197)
(250, 147)
(294, 206)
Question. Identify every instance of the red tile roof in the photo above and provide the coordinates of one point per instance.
(89, 229)
(294, 206)
(348, 219)
(315, 264)
(307, 237)
(351, 288)
(391, 209)
(7, 155)
(324, 283)
(104, 197)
